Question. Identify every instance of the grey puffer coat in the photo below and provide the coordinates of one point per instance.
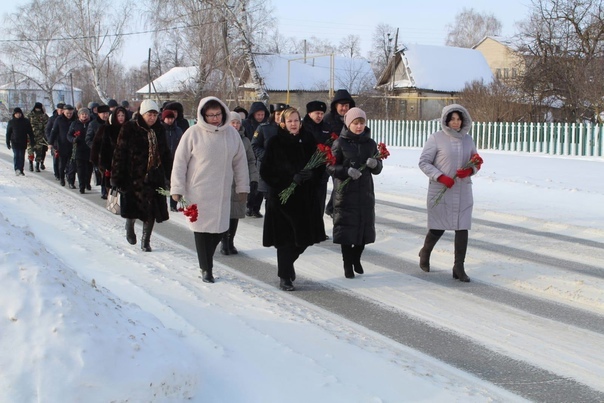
(444, 153)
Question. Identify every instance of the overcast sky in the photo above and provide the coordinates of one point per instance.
(423, 22)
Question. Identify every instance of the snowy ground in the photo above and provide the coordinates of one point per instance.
(88, 317)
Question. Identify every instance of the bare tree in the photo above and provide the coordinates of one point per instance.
(350, 46)
(563, 44)
(36, 53)
(382, 47)
(96, 32)
(470, 27)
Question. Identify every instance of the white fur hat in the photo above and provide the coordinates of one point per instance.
(148, 105)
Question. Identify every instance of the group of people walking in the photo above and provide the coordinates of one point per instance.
(229, 162)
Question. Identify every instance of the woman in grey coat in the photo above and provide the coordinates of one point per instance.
(442, 160)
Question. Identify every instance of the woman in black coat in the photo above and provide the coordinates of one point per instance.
(293, 226)
(354, 205)
(141, 164)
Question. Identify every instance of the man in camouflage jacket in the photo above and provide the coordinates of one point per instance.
(38, 119)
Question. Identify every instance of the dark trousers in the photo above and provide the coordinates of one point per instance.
(286, 256)
(67, 169)
(55, 165)
(84, 171)
(18, 158)
(205, 244)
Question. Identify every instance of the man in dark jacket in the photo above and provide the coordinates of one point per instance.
(334, 119)
(258, 114)
(58, 140)
(51, 121)
(341, 103)
(18, 133)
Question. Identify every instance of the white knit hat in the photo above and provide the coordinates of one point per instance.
(148, 105)
(234, 116)
(352, 114)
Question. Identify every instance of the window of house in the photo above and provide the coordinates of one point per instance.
(498, 73)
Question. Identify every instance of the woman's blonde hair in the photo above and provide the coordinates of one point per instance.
(286, 113)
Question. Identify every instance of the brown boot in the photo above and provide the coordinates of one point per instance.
(426, 251)
(461, 246)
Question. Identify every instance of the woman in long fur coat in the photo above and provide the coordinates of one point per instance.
(141, 164)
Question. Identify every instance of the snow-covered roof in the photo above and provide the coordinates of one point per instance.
(442, 68)
(312, 74)
(177, 79)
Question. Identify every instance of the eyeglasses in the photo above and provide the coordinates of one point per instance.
(214, 116)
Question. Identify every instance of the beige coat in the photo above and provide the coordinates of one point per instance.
(206, 162)
(444, 153)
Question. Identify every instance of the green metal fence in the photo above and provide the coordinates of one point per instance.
(573, 139)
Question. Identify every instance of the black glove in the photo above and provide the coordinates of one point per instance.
(8, 145)
(253, 187)
(302, 176)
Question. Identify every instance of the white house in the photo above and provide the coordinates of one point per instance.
(25, 94)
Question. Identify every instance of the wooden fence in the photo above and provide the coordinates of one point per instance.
(573, 139)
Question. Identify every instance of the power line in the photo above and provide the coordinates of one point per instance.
(109, 35)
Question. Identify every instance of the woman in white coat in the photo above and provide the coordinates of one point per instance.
(209, 157)
(444, 155)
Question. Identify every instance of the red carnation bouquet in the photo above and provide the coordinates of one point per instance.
(474, 162)
(189, 210)
(382, 154)
(322, 155)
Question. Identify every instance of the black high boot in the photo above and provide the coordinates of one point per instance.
(348, 259)
(461, 246)
(31, 166)
(147, 230)
(356, 263)
(130, 234)
(426, 251)
(232, 231)
(37, 167)
(224, 244)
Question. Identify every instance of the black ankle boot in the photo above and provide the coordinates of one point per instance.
(286, 285)
(42, 166)
(37, 167)
(31, 166)
(206, 276)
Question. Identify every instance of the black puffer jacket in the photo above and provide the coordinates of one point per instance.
(298, 222)
(354, 206)
(19, 132)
